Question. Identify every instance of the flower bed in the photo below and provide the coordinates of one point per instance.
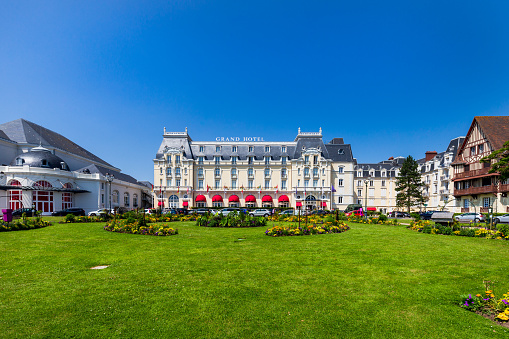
(381, 220)
(489, 306)
(134, 227)
(231, 220)
(430, 228)
(23, 224)
(326, 227)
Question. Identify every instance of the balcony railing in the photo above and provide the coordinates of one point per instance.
(445, 191)
(465, 210)
(504, 188)
(251, 175)
(470, 174)
(484, 210)
(476, 190)
(284, 175)
(444, 177)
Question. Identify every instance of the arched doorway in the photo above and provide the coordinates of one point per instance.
(173, 201)
(310, 202)
(15, 196)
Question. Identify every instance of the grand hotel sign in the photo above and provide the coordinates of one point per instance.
(249, 139)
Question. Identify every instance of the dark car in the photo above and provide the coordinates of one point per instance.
(74, 211)
(426, 215)
(19, 212)
(318, 212)
(397, 214)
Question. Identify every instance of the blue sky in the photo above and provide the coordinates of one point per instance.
(393, 78)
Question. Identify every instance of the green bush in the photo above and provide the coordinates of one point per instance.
(415, 216)
(504, 229)
(70, 218)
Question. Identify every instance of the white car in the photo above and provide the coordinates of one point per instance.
(226, 211)
(259, 213)
(469, 217)
(504, 219)
(97, 213)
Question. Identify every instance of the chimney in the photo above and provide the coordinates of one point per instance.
(430, 155)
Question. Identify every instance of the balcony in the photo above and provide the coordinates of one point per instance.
(316, 175)
(217, 175)
(465, 210)
(504, 188)
(200, 175)
(444, 177)
(267, 175)
(475, 190)
(284, 176)
(250, 175)
(445, 191)
(307, 175)
(470, 174)
(234, 175)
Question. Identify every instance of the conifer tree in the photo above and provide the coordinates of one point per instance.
(409, 185)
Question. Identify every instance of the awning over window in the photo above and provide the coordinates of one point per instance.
(217, 198)
(299, 204)
(160, 203)
(185, 204)
(283, 198)
(267, 198)
(324, 204)
(233, 198)
(200, 198)
(250, 198)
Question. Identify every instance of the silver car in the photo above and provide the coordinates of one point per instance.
(259, 213)
(469, 217)
(226, 211)
(504, 219)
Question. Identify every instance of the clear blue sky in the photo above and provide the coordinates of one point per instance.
(393, 78)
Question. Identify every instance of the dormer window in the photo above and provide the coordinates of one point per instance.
(283, 149)
(44, 162)
(218, 148)
(201, 148)
(234, 149)
(341, 151)
(251, 148)
(267, 149)
(19, 161)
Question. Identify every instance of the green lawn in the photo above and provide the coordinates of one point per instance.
(371, 281)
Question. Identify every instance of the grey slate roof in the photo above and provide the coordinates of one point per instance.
(23, 131)
(40, 157)
(453, 147)
(102, 170)
(4, 136)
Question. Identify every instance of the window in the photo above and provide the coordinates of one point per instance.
(298, 183)
(67, 197)
(283, 149)
(481, 148)
(102, 185)
(359, 173)
(168, 158)
(359, 201)
(126, 199)
(340, 182)
(384, 174)
(267, 184)
(283, 160)
(340, 170)
(306, 159)
(486, 202)
(315, 171)
(283, 184)
(267, 160)
(383, 183)
(185, 170)
(168, 182)
(234, 160)
(200, 172)
(340, 200)
(177, 182)
(185, 183)
(114, 197)
(234, 149)
(323, 171)
(472, 150)
(298, 171)
(267, 149)
(306, 183)
(217, 160)
(323, 183)
(168, 171)
(102, 198)
(250, 172)
(177, 159)
(217, 184)
(217, 172)
(250, 184)
(315, 183)
(234, 171)
(315, 160)
(135, 200)
(371, 183)
(201, 148)
(359, 183)
(359, 193)
(267, 172)
(251, 148)
(306, 172)
(200, 160)
(234, 183)
(250, 160)
(173, 201)
(218, 148)
(283, 172)
(466, 203)
(19, 162)
(177, 171)
(161, 170)
(341, 151)
(200, 184)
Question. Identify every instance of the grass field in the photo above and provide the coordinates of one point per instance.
(371, 281)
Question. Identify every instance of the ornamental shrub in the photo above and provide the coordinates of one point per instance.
(504, 229)
(70, 218)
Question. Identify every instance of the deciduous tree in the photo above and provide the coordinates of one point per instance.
(501, 164)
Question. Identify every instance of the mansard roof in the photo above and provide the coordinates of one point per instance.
(26, 132)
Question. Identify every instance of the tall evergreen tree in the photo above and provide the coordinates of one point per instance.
(409, 185)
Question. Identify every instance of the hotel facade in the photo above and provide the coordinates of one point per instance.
(250, 172)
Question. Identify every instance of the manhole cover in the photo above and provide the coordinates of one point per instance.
(101, 267)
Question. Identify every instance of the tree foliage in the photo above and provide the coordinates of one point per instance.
(501, 164)
(409, 185)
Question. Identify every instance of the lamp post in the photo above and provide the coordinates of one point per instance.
(109, 179)
(366, 200)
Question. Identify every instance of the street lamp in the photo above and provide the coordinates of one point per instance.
(109, 179)
(366, 199)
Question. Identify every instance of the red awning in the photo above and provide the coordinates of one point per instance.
(371, 208)
(217, 198)
(324, 204)
(160, 203)
(200, 198)
(299, 204)
(233, 198)
(267, 198)
(250, 198)
(283, 198)
(185, 204)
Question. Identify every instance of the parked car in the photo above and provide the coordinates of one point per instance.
(358, 213)
(102, 211)
(19, 212)
(318, 212)
(226, 211)
(470, 217)
(201, 211)
(398, 214)
(501, 219)
(259, 213)
(74, 211)
(287, 212)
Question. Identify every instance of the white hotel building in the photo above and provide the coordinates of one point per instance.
(250, 172)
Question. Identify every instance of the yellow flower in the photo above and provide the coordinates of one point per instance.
(503, 317)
